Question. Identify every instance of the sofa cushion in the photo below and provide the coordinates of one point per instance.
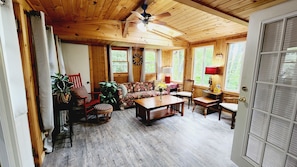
(149, 85)
(80, 93)
(129, 87)
(138, 86)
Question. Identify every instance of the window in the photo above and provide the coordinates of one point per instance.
(178, 59)
(234, 66)
(202, 58)
(119, 61)
(150, 61)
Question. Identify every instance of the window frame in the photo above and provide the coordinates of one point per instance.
(204, 64)
(226, 66)
(120, 49)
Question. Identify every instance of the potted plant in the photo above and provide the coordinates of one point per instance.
(108, 92)
(61, 87)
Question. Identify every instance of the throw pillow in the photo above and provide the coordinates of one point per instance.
(81, 92)
(124, 89)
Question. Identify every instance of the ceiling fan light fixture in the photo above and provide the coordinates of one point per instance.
(142, 27)
(145, 26)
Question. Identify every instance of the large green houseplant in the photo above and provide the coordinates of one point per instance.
(108, 92)
(61, 87)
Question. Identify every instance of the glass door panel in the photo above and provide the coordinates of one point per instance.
(268, 63)
(257, 127)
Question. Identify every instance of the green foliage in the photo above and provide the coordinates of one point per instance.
(150, 61)
(61, 84)
(234, 66)
(108, 92)
(202, 59)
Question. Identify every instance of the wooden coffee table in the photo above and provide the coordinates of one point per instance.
(153, 108)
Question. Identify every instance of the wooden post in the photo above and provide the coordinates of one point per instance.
(24, 42)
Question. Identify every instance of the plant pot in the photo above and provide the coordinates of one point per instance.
(63, 98)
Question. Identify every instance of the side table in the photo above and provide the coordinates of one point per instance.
(62, 132)
(209, 99)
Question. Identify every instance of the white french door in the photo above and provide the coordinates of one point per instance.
(266, 122)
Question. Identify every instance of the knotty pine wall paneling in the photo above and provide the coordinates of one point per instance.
(137, 68)
(25, 47)
(166, 61)
(98, 65)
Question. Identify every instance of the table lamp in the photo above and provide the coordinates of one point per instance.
(167, 71)
(211, 71)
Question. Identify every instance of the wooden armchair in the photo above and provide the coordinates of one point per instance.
(229, 104)
(82, 100)
(187, 91)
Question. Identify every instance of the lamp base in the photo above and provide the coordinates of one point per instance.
(167, 79)
(210, 84)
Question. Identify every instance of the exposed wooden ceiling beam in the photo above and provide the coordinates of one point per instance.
(213, 11)
(114, 33)
(88, 22)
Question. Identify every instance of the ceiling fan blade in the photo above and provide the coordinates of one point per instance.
(137, 14)
(158, 22)
(134, 21)
(166, 14)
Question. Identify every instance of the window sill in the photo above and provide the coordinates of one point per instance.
(231, 93)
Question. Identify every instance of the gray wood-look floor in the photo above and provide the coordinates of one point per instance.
(191, 140)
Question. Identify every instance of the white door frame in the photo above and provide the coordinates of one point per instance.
(252, 49)
(9, 154)
(15, 143)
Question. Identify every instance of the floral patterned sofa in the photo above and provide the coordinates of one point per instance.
(130, 91)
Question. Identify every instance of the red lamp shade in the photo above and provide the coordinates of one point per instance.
(211, 70)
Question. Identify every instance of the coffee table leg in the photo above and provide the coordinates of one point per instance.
(148, 117)
(137, 110)
(182, 109)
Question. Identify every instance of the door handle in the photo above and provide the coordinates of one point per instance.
(242, 99)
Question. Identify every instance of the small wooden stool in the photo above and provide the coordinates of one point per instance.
(205, 102)
(105, 109)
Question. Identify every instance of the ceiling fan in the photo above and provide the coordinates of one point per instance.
(146, 18)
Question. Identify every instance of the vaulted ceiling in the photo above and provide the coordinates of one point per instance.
(101, 22)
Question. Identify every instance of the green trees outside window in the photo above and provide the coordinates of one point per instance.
(178, 60)
(119, 61)
(150, 61)
(202, 58)
(234, 66)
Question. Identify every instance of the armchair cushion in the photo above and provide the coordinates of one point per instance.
(184, 94)
(81, 94)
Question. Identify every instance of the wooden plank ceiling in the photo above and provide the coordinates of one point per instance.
(101, 22)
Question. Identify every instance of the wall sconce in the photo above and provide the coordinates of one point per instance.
(167, 71)
(211, 71)
(219, 55)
